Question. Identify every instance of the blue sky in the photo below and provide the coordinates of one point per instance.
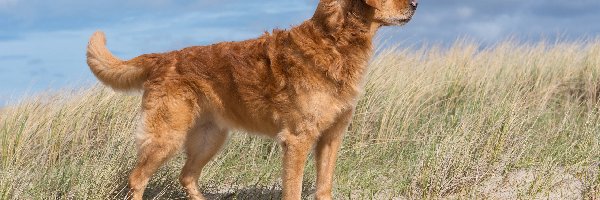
(42, 43)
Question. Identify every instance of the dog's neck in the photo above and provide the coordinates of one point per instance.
(339, 42)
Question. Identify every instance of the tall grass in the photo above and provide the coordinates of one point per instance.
(432, 123)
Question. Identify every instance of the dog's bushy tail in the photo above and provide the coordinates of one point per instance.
(110, 70)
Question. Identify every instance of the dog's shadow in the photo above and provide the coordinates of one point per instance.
(169, 191)
(253, 194)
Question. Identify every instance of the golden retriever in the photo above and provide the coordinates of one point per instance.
(299, 86)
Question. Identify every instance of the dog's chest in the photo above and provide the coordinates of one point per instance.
(323, 107)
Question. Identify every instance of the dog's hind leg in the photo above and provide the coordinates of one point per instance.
(202, 144)
(326, 153)
(166, 121)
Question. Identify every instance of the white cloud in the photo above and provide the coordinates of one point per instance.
(464, 12)
(488, 31)
(7, 3)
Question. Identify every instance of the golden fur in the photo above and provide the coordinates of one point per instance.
(299, 86)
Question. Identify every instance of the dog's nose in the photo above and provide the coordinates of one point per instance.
(414, 3)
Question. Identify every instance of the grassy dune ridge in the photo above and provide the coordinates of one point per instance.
(457, 122)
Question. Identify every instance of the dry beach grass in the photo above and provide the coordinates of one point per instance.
(509, 121)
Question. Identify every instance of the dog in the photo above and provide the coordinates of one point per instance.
(299, 86)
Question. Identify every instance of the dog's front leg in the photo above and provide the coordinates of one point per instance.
(296, 146)
(326, 153)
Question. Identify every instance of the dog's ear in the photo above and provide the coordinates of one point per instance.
(374, 3)
(330, 14)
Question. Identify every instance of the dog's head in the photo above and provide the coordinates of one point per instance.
(393, 12)
(333, 13)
